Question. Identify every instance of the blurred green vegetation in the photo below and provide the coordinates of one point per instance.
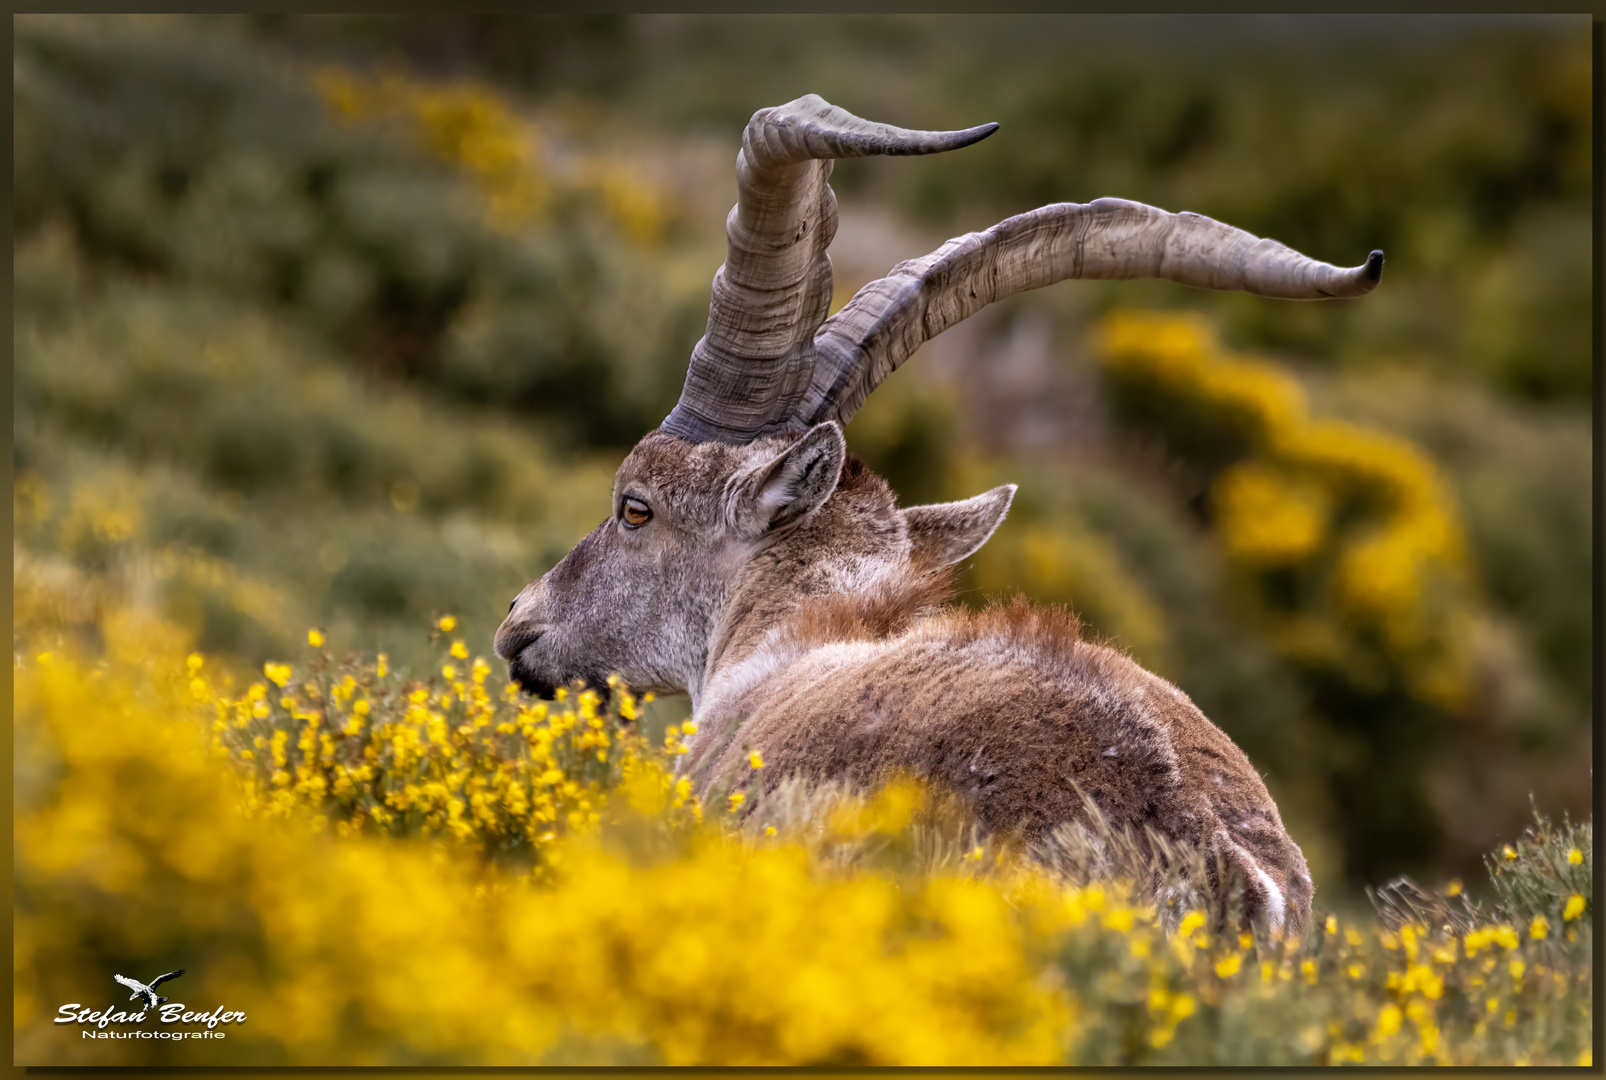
(279, 363)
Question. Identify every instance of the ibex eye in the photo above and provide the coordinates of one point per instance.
(636, 513)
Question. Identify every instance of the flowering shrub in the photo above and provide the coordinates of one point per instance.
(1546, 869)
(646, 931)
(1349, 537)
(358, 745)
(472, 127)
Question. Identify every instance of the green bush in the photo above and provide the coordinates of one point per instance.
(184, 151)
(206, 427)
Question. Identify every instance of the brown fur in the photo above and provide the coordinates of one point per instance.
(881, 611)
(1006, 706)
(780, 584)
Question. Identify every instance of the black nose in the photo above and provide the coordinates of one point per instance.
(509, 647)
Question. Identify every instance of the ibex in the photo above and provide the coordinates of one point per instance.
(750, 562)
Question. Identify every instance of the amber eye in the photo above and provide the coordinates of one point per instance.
(636, 513)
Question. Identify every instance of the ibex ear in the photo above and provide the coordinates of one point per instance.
(945, 533)
(785, 489)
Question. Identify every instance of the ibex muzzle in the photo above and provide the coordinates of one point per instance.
(750, 562)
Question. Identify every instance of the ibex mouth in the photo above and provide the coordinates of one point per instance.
(546, 691)
(531, 683)
(512, 641)
(512, 644)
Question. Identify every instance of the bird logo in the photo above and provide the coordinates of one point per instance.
(147, 992)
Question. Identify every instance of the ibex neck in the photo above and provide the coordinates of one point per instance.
(762, 609)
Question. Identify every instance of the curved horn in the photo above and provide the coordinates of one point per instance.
(753, 366)
(888, 319)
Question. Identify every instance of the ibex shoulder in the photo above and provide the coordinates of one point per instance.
(1014, 709)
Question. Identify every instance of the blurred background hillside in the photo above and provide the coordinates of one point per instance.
(345, 321)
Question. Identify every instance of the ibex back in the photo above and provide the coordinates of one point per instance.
(751, 563)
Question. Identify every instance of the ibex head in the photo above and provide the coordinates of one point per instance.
(649, 594)
(743, 504)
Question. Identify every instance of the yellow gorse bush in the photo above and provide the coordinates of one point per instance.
(1363, 520)
(366, 750)
(468, 126)
(343, 945)
(103, 526)
(473, 128)
(640, 930)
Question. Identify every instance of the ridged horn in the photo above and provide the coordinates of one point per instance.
(888, 319)
(755, 363)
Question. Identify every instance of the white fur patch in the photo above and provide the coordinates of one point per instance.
(801, 664)
(729, 685)
(1276, 903)
(859, 576)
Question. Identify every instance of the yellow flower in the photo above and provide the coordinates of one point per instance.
(754, 760)
(278, 674)
(1454, 888)
(315, 638)
(382, 665)
(460, 650)
(1332, 924)
(769, 830)
(1430, 1038)
(1228, 966)
(1119, 920)
(737, 799)
(687, 727)
(1574, 908)
(1539, 928)
(1575, 856)
(1509, 853)
(448, 623)
(194, 662)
